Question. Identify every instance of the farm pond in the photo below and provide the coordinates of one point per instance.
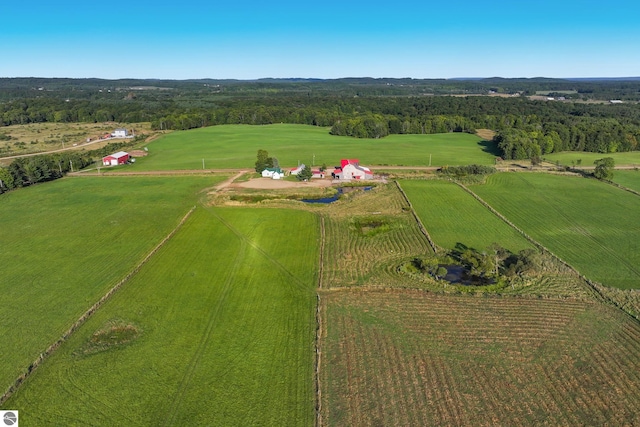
(341, 191)
(459, 275)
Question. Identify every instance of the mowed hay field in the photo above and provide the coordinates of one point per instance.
(591, 225)
(398, 358)
(367, 236)
(235, 146)
(224, 321)
(63, 244)
(627, 178)
(568, 158)
(452, 216)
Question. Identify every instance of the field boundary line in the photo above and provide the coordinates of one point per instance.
(87, 314)
(622, 187)
(423, 229)
(592, 286)
(318, 360)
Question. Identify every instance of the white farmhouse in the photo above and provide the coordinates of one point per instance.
(273, 173)
(120, 133)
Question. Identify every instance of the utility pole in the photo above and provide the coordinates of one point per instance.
(71, 164)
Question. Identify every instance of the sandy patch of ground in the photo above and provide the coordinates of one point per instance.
(138, 153)
(271, 184)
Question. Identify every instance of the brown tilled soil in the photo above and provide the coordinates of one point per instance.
(272, 184)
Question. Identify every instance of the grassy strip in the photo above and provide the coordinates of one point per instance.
(453, 217)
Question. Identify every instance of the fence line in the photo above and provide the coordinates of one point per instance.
(423, 229)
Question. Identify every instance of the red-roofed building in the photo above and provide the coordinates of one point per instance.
(351, 169)
(118, 158)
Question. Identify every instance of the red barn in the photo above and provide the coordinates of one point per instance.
(119, 158)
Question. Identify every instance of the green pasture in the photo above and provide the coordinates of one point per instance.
(591, 225)
(226, 319)
(452, 216)
(569, 158)
(627, 178)
(235, 146)
(63, 244)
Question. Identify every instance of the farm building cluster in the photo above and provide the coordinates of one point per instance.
(349, 169)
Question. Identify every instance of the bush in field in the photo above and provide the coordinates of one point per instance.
(604, 168)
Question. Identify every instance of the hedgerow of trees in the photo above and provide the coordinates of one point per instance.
(358, 108)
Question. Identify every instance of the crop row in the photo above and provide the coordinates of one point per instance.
(415, 358)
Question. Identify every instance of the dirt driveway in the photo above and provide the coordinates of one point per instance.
(272, 184)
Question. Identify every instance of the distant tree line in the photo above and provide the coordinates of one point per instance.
(525, 129)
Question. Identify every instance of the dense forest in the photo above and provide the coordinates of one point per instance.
(363, 108)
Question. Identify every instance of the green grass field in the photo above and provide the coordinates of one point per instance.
(566, 158)
(235, 146)
(452, 216)
(590, 224)
(64, 244)
(225, 314)
(627, 178)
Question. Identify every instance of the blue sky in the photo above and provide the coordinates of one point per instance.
(328, 39)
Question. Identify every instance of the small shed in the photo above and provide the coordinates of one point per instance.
(115, 159)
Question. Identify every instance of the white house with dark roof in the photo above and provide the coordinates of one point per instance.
(273, 173)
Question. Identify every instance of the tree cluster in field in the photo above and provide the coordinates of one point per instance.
(27, 171)
(487, 266)
(265, 162)
(604, 168)
(462, 171)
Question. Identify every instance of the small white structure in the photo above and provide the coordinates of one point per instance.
(273, 173)
(120, 133)
(297, 170)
